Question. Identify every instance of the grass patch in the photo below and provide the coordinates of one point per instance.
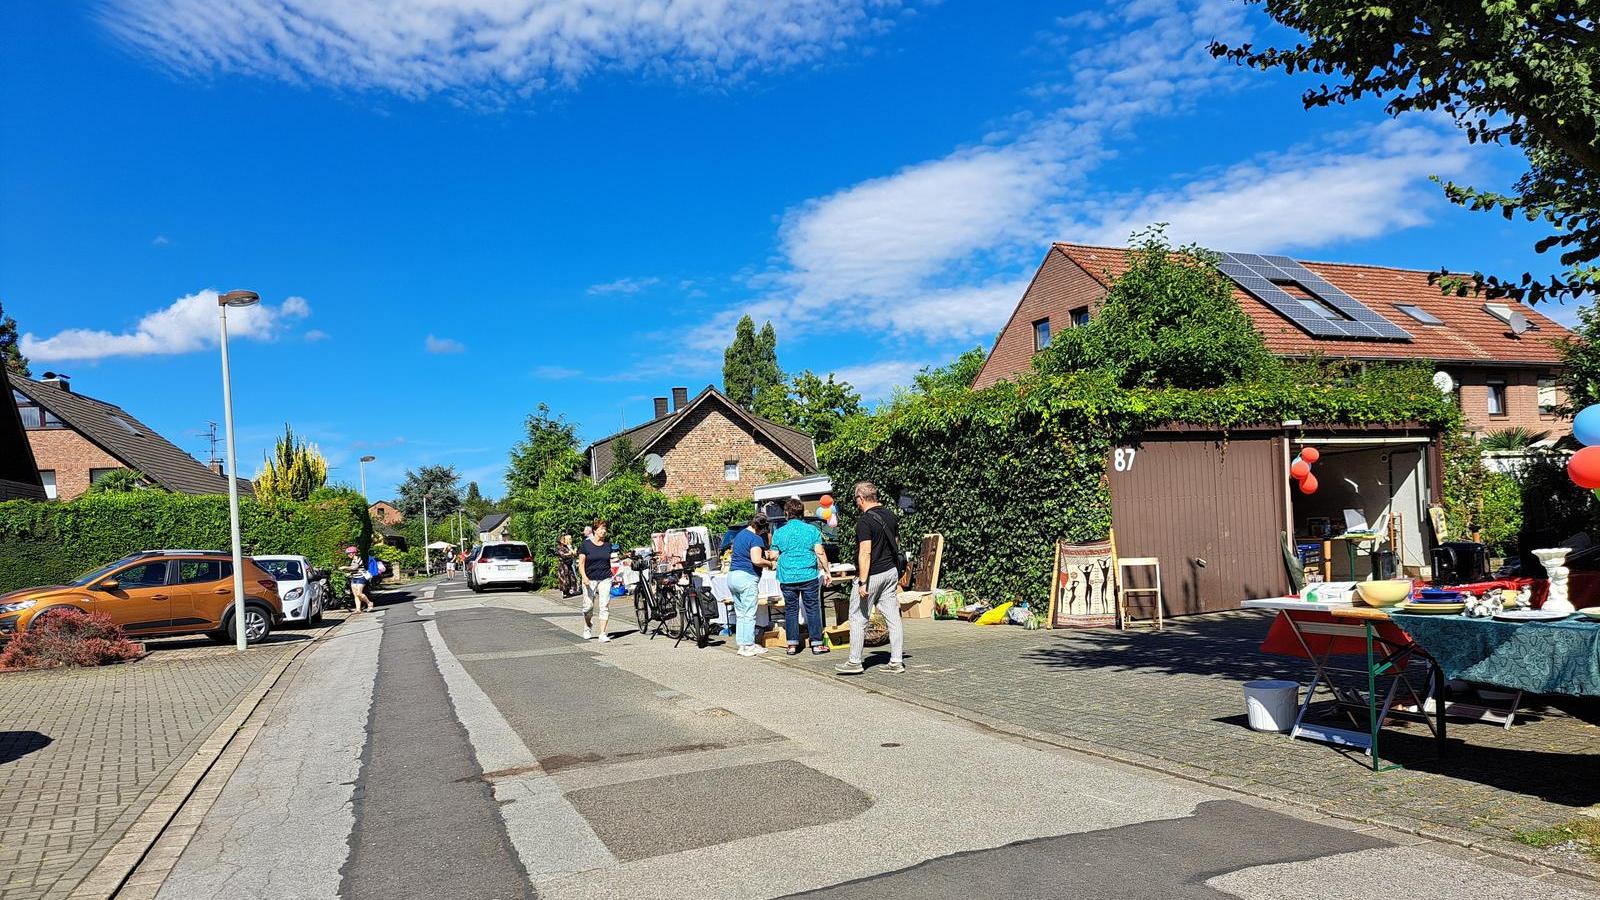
(1582, 834)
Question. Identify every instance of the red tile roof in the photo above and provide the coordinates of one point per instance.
(1469, 334)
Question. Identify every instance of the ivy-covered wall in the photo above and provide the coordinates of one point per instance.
(1007, 471)
(50, 543)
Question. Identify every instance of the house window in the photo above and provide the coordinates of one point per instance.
(1497, 395)
(730, 470)
(48, 478)
(1080, 317)
(1548, 398)
(1041, 334)
(34, 416)
(96, 474)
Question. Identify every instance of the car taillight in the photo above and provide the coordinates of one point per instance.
(527, 557)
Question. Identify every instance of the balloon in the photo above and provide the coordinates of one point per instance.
(1584, 468)
(1308, 485)
(1586, 426)
(827, 499)
(1299, 469)
(1310, 454)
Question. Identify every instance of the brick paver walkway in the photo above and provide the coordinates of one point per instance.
(83, 751)
(1174, 701)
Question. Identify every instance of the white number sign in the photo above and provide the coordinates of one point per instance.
(1122, 458)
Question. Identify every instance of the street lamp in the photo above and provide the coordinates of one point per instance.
(364, 461)
(237, 300)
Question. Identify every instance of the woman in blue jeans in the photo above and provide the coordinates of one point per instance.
(750, 556)
(802, 574)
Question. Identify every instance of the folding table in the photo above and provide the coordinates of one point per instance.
(1319, 632)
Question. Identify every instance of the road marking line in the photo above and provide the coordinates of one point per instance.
(550, 836)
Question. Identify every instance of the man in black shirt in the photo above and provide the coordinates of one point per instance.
(596, 553)
(877, 580)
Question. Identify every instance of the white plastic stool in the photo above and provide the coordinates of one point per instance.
(1271, 705)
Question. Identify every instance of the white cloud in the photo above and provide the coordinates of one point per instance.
(442, 345)
(189, 324)
(1374, 188)
(505, 48)
(316, 334)
(624, 286)
(877, 380)
(160, 240)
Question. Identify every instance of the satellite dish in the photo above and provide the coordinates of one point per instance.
(1444, 382)
(653, 464)
(1519, 323)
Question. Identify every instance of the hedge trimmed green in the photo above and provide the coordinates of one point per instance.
(51, 543)
(1005, 472)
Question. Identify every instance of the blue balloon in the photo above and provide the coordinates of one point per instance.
(1586, 426)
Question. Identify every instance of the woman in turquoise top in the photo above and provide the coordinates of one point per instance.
(802, 573)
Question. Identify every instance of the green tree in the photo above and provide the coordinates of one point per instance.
(293, 471)
(810, 403)
(1523, 74)
(15, 362)
(120, 481)
(474, 504)
(626, 460)
(1579, 377)
(440, 483)
(958, 374)
(551, 448)
(1169, 320)
(750, 363)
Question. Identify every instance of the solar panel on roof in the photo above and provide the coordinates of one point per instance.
(1261, 277)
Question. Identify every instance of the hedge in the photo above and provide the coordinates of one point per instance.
(1005, 472)
(52, 543)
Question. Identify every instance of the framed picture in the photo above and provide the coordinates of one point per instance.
(1083, 585)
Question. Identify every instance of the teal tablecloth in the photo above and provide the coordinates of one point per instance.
(1560, 657)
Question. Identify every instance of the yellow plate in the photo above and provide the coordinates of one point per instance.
(1433, 609)
(1592, 612)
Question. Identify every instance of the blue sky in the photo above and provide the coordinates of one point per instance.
(458, 209)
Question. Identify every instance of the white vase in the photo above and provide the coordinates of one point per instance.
(1554, 560)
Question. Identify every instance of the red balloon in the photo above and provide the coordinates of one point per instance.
(827, 500)
(1584, 468)
(1310, 454)
(1308, 484)
(1299, 469)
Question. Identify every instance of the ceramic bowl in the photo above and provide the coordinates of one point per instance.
(1384, 593)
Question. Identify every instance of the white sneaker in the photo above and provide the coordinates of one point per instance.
(757, 649)
(747, 650)
(605, 638)
(588, 635)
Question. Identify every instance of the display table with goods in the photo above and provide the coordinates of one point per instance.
(1388, 668)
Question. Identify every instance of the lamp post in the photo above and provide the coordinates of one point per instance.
(237, 300)
(427, 555)
(364, 461)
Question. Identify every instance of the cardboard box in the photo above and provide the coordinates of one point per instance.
(916, 604)
(773, 637)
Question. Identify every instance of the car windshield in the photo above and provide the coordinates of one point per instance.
(91, 577)
(282, 569)
(505, 551)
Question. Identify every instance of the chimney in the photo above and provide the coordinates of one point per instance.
(680, 398)
(58, 380)
(661, 407)
(216, 467)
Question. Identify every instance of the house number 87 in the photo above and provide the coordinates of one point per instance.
(1122, 459)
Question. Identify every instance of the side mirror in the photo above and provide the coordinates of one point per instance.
(110, 584)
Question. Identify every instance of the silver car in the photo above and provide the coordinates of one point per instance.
(302, 587)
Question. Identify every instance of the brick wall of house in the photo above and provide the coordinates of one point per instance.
(1058, 288)
(695, 450)
(1522, 401)
(384, 513)
(70, 455)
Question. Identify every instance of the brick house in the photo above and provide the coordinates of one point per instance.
(1505, 378)
(19, 476)
(76, 440)
(710, 447)
(385, 513)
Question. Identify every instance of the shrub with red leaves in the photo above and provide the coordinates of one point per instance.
(69, 638)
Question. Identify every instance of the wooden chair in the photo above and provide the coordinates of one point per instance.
(1137, 562)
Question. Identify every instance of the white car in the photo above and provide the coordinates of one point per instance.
(304, 596)
(500, 562)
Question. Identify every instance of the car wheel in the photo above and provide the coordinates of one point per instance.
(257, 625)
(476, 587)
(317, 619)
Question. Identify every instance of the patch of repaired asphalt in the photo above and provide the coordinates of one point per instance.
(1164, 859)
(672, 813)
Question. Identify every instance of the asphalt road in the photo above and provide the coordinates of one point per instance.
(472, 746)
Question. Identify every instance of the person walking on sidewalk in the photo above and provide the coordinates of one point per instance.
(567, 566)
(359, 576)
(802, 574)
(596, 553)
(744, 581)
(877, 580)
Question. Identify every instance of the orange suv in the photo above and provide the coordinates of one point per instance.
(157, 592)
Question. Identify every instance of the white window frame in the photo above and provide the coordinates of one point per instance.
(730, 470)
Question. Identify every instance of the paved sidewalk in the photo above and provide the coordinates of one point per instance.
(1173, 701)
(84, 751)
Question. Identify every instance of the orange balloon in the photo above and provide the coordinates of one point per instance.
(1584, 468)
(827, 500)
(1299, 469)
(1310, 454)
(1308, 484)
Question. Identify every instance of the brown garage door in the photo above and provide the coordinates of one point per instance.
(1211, 512)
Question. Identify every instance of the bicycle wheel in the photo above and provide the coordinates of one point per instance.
(700, 631)
(641, 605)
(672, 612)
